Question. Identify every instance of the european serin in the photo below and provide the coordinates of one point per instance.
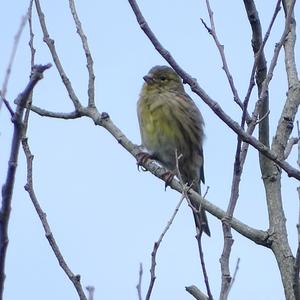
(170, 122)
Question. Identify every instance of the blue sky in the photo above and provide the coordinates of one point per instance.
(105, 214)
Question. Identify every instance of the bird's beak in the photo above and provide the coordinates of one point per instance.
(148, 79)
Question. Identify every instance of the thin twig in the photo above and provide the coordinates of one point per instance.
(91, 291)
(32, 60)
(11, 61)
(213, 33)
(261, 119)
(276, 54)
(258, 44)
(195, 87)
(259, 66)
(7, 188)
(291, 142)
(31, 46)
(51, 46)
(158, 242)
(6, 103)
(139, 285)
(290, 109)
(228, 240)
(58, 115)
(234, 274)
(75, 279)
(89, 59)
(206, 192)
(204, 271)
(156, 246)
(240, 155)
(289, 45)
(198, 231)
(224, 260)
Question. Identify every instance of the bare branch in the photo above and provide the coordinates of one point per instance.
(199, 232)
(291, 171)
(285, 124)
(291, 142)
(31, 46)
(234, 273)
(58, 115)
(32, 52)
(139, 285)
(156, 246)
(213, 33)
(260, 69)
(91, 291)
(210, 297)
(10, 63)
(6, 103)
(75, 279)
(296, 283)
(259, 66)
(89, 59)
(196, 293)
(278, 47)
(289, 45)
(7, 188)
(271, 174)
(224, 260)
(51, 46)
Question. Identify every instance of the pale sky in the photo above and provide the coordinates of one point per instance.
(104, 214)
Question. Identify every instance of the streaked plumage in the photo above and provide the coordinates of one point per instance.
(169, 120)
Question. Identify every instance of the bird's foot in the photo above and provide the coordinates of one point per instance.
(142, 158)
(167, 177)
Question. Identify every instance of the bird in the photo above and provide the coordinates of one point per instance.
(170, 123)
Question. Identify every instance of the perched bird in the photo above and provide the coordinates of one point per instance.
(170, 122)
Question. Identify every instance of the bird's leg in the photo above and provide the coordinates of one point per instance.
(168, 177)
(142, 158)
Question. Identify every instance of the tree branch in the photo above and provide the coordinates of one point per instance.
(10, 63)
(139, 285)
(296, 283)
(7, 188)
(51, 46)
(290, 143)
(58, 115)
(88, 55)
(91, 291)
(157, 244)
(259, 68)
(196, 293)
(213, 33)
(75, 279)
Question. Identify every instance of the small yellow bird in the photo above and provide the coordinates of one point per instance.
(170, 121)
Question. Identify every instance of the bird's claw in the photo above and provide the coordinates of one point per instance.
(142, 158)
(168, 177)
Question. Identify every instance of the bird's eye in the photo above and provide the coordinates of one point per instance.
(162, 78)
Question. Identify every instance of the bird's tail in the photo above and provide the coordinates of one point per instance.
(201, 222)
(200, 215)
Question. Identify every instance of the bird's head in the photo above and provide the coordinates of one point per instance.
(163, 78)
